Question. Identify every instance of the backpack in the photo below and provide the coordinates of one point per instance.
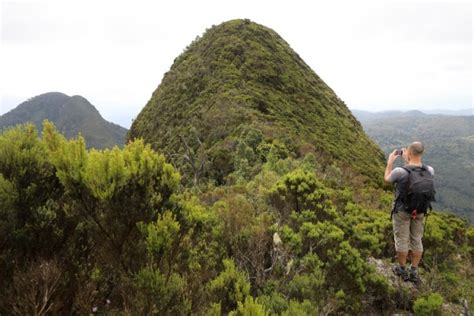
(419, 191)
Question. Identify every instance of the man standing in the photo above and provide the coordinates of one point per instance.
(408, 220)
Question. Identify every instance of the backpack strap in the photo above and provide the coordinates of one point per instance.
(406, 169)
(413, 168)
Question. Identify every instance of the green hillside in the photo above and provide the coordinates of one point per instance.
(239, 77)
(449, 144)
(71, 115)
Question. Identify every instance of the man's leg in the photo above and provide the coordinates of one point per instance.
(416, 235)
(416, 245)
(401, 234)
(415, 258)
(402, 258)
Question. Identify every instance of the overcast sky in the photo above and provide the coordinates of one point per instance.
(376, 55)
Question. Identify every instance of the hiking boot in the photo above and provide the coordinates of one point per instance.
(413, 276)
(401, 272)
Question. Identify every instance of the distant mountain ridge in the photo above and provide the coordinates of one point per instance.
(463, 112)
(449, 144)
(371, 115)
(71, 115)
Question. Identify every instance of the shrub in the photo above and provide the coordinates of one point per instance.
(429, 305)
(249, 308)
(230, 288)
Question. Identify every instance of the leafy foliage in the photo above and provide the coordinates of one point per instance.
(231, 287)
(113, 230)
(430, 305)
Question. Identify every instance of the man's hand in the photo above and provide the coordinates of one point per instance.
(388, 170)
(392, 157)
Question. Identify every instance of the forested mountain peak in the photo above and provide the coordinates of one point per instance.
(239, 77)
(71, 114)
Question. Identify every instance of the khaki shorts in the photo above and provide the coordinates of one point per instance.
(407, 231)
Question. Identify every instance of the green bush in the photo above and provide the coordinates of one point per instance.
(230, 288)
(429, 305)
(250, 308)
(304, 308)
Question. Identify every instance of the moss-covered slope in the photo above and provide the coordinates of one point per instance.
(241, 74)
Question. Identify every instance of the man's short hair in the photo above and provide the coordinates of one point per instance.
(416, 148)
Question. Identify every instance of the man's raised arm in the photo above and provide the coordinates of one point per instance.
(388, 170)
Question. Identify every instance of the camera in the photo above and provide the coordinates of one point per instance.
(399, 152)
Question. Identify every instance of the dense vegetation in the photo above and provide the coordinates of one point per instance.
(115, 230)
(449, 149)
(71, 115)
(241, 74)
